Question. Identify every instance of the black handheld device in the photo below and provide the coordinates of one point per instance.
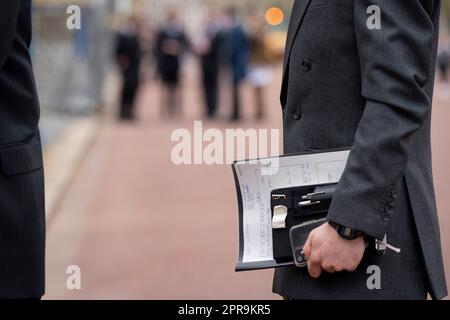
(298, 235)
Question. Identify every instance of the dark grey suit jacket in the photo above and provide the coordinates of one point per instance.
(22, 217)
(346, 85)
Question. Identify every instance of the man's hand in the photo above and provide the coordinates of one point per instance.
(326, 250)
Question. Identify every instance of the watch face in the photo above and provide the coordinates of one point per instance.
(347, 232)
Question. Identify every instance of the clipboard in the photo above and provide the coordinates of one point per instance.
(256, 179)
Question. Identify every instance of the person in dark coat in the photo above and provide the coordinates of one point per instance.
(209, 51)
(22, 204)
(128, 56)
(444, 61)
(239, 55)
(171, 43)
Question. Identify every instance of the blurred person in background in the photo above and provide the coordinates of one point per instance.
(260, 59)
(444, 60)
(208, 49)
(128, 57)
(22, 205)
(171, 44)
(238, 50)
(146, 40)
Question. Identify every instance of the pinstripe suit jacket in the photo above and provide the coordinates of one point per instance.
(22, 218)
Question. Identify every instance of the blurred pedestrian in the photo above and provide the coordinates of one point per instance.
(128, 57)
(147, 43)
(209, 50)
(260, 59)
(239, 47)
(171, 44)
(22, 204)
(444, 61)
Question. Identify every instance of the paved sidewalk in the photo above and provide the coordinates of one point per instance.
(142, 228)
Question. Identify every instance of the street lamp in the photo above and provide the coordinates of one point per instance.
(274, 16)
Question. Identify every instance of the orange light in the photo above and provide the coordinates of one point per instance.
(274, 16)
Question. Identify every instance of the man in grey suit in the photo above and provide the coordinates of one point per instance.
(360, 74)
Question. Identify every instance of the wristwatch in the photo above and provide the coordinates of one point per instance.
(373, 246)
(346, 232)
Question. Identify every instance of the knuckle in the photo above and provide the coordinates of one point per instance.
(328, 267)
(315, 259)
(353, 268)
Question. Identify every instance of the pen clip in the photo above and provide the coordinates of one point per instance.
(279, 197)
(309, 196)
(308, 203)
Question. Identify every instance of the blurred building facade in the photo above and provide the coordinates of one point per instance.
(70, 65)
(193, 11)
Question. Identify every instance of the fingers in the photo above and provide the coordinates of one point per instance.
(351, 268)
(314, 263)
(314, 266)
(329, 268)
(325, 251)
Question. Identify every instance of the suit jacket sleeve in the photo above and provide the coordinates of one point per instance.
(396, 64)
(8, 21)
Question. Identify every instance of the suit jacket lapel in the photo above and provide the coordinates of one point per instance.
(298, 12)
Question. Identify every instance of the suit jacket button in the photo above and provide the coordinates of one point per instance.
(297, 114)
(306, 65)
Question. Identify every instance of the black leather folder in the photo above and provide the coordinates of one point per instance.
(303, 204)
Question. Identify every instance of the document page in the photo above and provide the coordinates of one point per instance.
(254, 187)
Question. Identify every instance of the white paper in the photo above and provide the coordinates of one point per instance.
(294, 171)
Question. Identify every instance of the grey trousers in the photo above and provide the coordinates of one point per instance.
(402, 276)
